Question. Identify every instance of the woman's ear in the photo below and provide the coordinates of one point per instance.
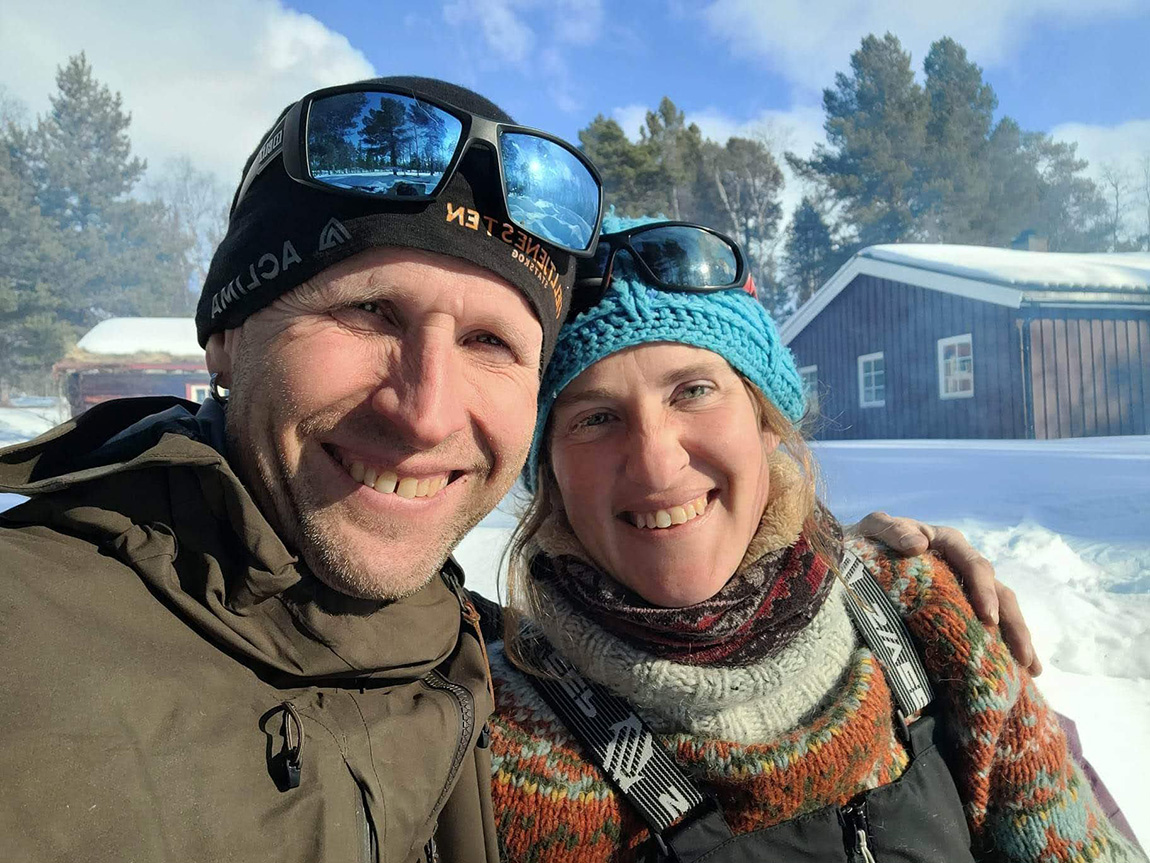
(770, 441)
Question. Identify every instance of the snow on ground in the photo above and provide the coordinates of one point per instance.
(1066, 525)
(24, 423)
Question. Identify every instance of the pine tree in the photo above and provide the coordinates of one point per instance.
(77, 247)
(630, 173)
(32, 333)
(876, 131)
(955, 177)
(774, 295)
(79, 163)
(929, 163)
(1069, 210)
(677, 150)
(810, 252)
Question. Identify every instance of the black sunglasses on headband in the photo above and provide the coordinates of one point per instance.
(671, 256)
(394, 144)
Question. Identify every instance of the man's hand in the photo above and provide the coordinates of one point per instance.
(992, 600)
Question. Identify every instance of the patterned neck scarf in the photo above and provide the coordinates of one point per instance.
(754, 615)
(776, 591)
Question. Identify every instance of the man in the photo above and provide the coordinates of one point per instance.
(238, 634)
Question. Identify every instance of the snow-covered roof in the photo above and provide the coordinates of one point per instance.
(1006, 277)
(1052, 270)
(174, 337)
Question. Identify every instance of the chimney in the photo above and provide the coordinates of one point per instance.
(1030, 241)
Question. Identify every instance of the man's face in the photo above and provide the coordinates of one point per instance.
(379, 411)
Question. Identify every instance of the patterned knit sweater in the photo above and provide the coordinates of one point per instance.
(813, 727)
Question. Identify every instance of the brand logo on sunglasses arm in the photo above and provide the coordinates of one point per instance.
(265, 269)
(524, 248)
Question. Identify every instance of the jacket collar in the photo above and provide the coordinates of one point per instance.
(146, 480)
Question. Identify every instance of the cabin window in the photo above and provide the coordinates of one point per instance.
(196, 392)
(810, 376)
(955, 368)
(872, 381)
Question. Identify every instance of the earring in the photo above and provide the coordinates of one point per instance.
(215, 389)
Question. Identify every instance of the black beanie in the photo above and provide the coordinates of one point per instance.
(282, 233)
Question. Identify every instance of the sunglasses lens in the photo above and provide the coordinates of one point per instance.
(550, 192)
(687, 257)
(380, 143)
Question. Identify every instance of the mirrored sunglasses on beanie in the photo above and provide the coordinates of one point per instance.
(394, 144)
(670, 256)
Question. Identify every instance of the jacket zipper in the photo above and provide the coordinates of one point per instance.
(854, 813)
(366, 832)
(463, 700)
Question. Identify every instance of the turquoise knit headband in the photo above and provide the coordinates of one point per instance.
(731, 323)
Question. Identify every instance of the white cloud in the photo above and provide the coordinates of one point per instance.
(510, 41)
(631, 118)
(806, 41)
(500, 21)
(578, 22)
(202, 79)
(1122, 148)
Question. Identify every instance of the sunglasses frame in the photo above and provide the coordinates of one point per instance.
(596, 286)
(289, 139)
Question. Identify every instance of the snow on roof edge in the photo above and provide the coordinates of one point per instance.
(174, 337)
(953, 280)
(1121, 271)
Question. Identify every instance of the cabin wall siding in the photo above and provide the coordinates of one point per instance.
(905, 322)
(88, 387)
(1090, 372)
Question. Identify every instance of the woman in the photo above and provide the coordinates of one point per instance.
(678, 574)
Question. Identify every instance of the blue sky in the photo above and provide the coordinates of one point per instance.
(1056, 69)
(204, 78)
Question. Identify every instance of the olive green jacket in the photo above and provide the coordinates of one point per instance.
(175, 686)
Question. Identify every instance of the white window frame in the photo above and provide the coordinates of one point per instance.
(862, 361)
(191, 391)
(943, 344)
(812, 392)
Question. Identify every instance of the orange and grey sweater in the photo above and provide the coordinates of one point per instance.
(810, 727)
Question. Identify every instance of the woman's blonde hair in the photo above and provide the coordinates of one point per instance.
(525, 600)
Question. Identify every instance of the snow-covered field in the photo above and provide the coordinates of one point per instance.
(1067, 526)
(19, 424)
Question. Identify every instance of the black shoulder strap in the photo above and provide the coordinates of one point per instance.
(684, 822)
(618, 740)
(881, 627)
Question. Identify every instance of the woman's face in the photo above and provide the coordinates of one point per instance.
(662, 464)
